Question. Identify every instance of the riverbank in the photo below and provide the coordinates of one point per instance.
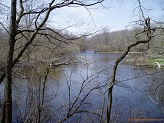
(141, 61)
(116, 52)
(157, 62)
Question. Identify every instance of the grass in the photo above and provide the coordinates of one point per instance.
(160, 61)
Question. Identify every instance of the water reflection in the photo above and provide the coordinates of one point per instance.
(136, 97)
(78, 91)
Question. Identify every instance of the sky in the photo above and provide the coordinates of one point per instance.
(112, 14)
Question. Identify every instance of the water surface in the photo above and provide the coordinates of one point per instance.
(81, 89)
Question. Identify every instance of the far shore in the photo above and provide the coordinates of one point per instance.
(118, 52)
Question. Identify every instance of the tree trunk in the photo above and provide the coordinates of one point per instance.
(110, 88)
(8, 82)
(109, 105)
(3, 112)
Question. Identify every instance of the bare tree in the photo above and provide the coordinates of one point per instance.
(41, 15)
(148, 31)
(8, 84)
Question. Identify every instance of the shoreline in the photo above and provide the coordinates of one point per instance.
(118, 52)
(146, 62)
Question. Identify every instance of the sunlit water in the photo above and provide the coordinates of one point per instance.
(138, 92)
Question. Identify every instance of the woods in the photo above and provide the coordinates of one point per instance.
(29, 46)
(118, 41)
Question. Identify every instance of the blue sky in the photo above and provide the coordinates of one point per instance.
(114, 15)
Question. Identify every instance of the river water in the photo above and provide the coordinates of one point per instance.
(77, 93)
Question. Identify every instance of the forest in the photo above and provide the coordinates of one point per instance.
(66, 45)
(36, 59)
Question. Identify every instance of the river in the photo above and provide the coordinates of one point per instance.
(77, 93)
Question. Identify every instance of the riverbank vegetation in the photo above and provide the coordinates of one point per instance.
(28, 46)
(66, 45)
(117, 41)
(156, 60)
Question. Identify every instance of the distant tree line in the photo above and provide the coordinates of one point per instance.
(62, 44)
(117, 41)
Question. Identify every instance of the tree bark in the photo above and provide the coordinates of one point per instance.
(3, 112)
(8, 82)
